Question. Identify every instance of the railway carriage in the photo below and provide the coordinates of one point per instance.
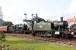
(3, 28)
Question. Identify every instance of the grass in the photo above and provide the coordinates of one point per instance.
(15, 42)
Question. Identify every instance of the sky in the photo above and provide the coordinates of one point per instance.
(13, 10)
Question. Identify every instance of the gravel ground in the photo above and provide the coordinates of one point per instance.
(71, 42)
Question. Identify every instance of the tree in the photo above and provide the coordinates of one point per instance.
(1, 22)
(7, 23)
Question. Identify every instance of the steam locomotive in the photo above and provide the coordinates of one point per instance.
(40, 27)
(45, 28)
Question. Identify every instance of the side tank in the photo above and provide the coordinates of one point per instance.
(42, 28)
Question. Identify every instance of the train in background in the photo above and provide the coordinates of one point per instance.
(18, 28)
(73, 29)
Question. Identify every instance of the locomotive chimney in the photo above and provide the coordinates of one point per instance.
(61, 19)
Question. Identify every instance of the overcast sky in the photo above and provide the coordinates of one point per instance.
(13, 10)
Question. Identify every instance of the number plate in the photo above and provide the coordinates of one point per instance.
(57, 32)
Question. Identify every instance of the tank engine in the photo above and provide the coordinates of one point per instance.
(60, 27)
